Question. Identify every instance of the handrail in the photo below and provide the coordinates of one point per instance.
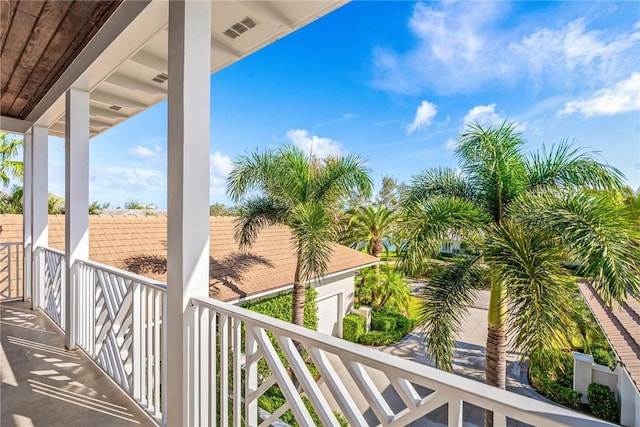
(456, 387)
(156, 284)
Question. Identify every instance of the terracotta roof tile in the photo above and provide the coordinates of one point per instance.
(139, 245)
(621, 325)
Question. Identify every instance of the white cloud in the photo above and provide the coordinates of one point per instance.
(349, 116)
(221, 166)
(621, 97)
(486, 115)
(314, 145)
(142, 152)
(462, 46)
(128, 179)
(451, 144)
(424, 116)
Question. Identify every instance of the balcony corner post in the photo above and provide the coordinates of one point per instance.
(188, 153)
(27, 210)
(76, 201)
(40, 209)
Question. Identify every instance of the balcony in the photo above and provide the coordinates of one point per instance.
(117, 322)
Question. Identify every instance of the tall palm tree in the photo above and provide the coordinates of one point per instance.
(9, 166)
(287, 187)
(532, 212)
(367, 227)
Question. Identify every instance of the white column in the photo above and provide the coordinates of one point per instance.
(39, 206)
(26, 216)
(76, 199)
(188, 200)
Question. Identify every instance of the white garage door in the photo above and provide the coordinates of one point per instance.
(328, 315)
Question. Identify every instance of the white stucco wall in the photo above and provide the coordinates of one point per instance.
(340, 286)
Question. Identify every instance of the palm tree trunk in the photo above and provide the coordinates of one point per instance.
(496, 350)
(298, 296)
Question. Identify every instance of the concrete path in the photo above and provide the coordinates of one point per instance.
(43, 384)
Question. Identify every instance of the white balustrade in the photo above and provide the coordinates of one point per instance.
(351, 375)
(237, 355)
(120, 328)
(52, 279)
(11, 277)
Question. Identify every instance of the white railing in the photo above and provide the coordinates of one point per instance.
(119, 325)
(367, 386)
(11, 277)
(52, 263)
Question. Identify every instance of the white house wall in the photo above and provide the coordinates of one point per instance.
(342, 286)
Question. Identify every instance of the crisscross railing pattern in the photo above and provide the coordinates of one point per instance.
(11, 278)
(366, 386)
(53, 281)
(120, 327)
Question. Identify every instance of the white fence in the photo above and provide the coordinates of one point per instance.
(119, 317)
(52, 263)
(367, 386)
(11, 268)
(237, 355)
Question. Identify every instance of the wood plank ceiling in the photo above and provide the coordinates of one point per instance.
(38, 41)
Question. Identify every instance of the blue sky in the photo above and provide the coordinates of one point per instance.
(395, 82)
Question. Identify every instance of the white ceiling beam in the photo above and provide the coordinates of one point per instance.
(268, 11)
(220, 47)
(9, 124)
(133, 84)
(109, 114)
(151, 61)
(110, 99)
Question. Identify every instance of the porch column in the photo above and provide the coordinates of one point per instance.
(27, 189)
(76, 219)
(40, 208)
(188, 202)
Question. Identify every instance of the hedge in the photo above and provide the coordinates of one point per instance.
(353, 326)
(555, 383)
(602, 402)
(604, 357)
(273, 399)
(281, 307)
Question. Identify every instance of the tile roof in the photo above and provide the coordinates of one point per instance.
(139, 245)
(621, 325)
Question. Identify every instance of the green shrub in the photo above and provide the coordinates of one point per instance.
(602, 402)
(353, 326)
(382, 322)
(380, 338)
(281, 307)
(604, 357)
(273, 399)
(554, 380)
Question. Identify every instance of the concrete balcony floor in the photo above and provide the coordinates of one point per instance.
(43, 384)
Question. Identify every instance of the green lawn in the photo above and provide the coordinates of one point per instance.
(414, 307)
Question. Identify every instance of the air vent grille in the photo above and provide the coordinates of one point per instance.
(161, 78)
(240, 27)
(115, 107)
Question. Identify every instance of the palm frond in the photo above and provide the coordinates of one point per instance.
(493, 161)
(597, 231)
(425, 225)
(439, 182)
(566, 166)
(254, 215)
(446, 302)
(341, 175)
(313, 234)
(526, 262)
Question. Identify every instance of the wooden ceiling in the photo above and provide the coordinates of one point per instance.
(38, 41)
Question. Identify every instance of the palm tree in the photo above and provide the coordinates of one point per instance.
(367, 227)
(9, 167)
(291, 189)
(532, 213)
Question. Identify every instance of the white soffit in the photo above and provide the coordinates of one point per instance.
(131, 75)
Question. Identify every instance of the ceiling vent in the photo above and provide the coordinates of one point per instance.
(240, 27)
(161, 78)
(115, 107)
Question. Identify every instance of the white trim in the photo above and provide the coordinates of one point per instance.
(12, 125)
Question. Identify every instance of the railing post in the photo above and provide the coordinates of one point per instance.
(27, 217)
(39, 205)
(76, 200)
(187, 199)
